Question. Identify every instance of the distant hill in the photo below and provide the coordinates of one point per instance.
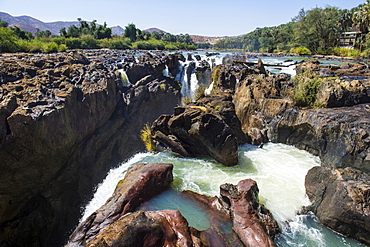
(30, 24)
(154, 29)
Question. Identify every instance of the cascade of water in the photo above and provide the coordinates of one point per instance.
(278, 169)
(124, 78)
(166, 72)
(208, 90)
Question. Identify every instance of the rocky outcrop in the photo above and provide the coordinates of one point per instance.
(203, 73)
(258, 99)
(65, 120)
(267, 112)
(141, 182)
(339, 136)
(251, 221)
(202, 130)
(151, 228)
(341, 200)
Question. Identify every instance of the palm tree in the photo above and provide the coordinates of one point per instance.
(361, 17)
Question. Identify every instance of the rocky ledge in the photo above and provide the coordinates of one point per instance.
(65, 120)
(118, 223)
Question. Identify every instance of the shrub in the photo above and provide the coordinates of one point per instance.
(366, 53)
(346, 52)
(74, 43)
(62, 47)
(306, 88)
(35, 46)
(199, 92)
(115, 44)
(89, 42)
(151, 44)
(59, 40)
(171, 46)
(300, 50)
(147, 137)
(49, 47)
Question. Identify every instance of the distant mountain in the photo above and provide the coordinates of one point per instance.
(154, 29)
(30, 24)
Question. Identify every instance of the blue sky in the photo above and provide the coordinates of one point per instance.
(201, 17)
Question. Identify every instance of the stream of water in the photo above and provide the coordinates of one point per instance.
(278, 169)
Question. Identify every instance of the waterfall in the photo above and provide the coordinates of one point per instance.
(124, 78)
(166, 72)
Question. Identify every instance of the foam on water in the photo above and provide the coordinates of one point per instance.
(278, 169)
(106, 188)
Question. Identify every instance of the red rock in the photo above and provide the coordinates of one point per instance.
(141, 182)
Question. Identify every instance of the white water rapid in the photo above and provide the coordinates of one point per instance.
(278, 169)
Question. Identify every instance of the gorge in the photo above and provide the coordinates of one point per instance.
(66, 119)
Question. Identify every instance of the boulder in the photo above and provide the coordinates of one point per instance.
(141, 182)
(195, 131)
(252, 222)
(341, 200)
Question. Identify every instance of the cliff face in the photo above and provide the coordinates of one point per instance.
(65, 120)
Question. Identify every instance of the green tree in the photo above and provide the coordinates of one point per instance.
(8, 40)
(361, 17)
(130, 32)
(318, 28)
(3, 23)
(42, 34)
(22, 34)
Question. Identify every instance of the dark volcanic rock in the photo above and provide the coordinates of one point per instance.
(193, 131)
(346, 69)
(61, 130)
(251, 221)
(209, 128)
(341, 200)
(141, 182)
(340, 136)
(203, 73)
(224, 106)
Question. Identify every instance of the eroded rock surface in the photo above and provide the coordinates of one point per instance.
(205, 129)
